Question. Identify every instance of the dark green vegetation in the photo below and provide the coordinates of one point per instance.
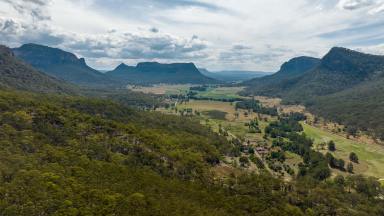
(79, 156)
(215, 114)
(14, 74)
(273, 84)
(287, 135)
(126, 97)
(233, 76)
(342, 87)
(63, 65)
(72, 155)
(256, 106)
(154, 73)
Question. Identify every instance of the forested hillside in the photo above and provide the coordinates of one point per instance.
(155, 73)
(342, 87)
(15, 74)
(79, 156)
(282, 80)
(63, 65)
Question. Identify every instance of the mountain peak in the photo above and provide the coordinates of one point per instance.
(61, 64)
(341, 51)
(15, 74)
(346, 60)
(299, 64)
(46, 55)
(124, 68)
(155, 72)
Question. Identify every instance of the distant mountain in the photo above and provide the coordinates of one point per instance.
(346, 86)
(233, 76)
(338, 70)
(278, 82)
(17, 75)
(154, 73)
(62, 64)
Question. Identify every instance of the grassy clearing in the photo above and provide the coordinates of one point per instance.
(371, 156)
(215, 114)
(162, 89)
(221, 93)
(204, 105)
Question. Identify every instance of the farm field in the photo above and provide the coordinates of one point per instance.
(211, 115)
(162, 89)
(221, 93)
(214, 93)
(220, 114)
(371, 156)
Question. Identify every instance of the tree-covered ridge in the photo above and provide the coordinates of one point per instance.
(283, 79)
(14, 74)
(344, 87)
(81, 156)
(63, 65)
(155, 73)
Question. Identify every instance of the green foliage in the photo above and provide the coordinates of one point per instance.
(256, 106)
(353, 157)
(16, 75)
(286, 130)
(353, 98)
(284, 127)
(82, 156)
(331, 146)
(253, 126)
(244, 161)
(350, 167)
(215, 114)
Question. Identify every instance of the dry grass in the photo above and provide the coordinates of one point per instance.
(161, 89)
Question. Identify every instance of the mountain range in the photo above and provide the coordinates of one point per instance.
(63, 65)
(15, 74)
(233, 76)
(66, 66)
(154, 73)
(345, 86)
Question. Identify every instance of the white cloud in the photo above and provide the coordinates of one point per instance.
(378, 9)
(247, 35)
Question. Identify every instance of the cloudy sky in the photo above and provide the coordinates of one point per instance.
(214, 34)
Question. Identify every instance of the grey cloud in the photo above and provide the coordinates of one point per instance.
(145, 10)
(355, 4)
(241, 47)
(12, 32)
(154, 30)
(162, 47)
(156, 4)
(112, 44)
(36, 9)
(244, 54)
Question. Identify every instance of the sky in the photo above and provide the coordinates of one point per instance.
(256, 35)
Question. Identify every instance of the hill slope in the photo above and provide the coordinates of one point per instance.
(154, 73)
(81, 156)
(62, 64)
(283, 79)
(15, 74)
(340, 69)
(346, 87)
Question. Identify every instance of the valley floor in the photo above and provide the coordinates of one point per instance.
(371, 155)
